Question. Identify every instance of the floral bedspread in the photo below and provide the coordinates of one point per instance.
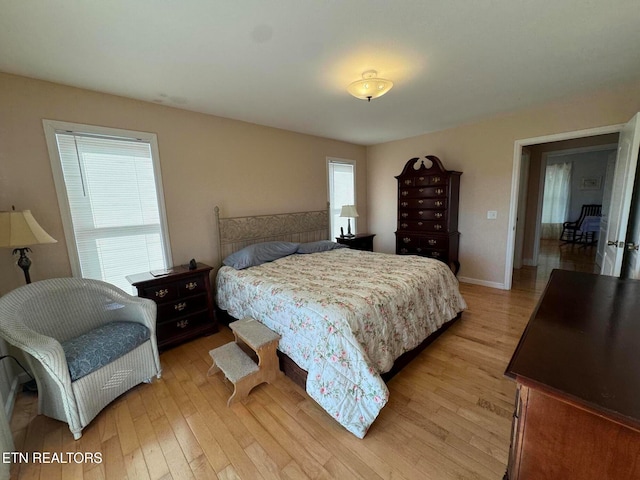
(344, 317)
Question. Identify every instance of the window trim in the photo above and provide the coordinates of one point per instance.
(51, 127)
(343, 161)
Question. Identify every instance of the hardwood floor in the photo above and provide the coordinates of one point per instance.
(448, 417)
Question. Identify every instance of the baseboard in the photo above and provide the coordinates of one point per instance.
(484, 283)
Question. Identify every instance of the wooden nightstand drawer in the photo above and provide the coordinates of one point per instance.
(184, 326)
(185, 303)
(181, 306)
(160, 293)
(191, 286)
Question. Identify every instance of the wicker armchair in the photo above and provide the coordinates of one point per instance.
(67, 325)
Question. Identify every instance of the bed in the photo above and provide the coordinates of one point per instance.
(347, 317)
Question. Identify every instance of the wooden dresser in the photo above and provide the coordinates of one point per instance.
(185, 303)
(428, 198)
(577, 412)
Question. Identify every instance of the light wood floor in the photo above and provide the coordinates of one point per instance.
(448, 417)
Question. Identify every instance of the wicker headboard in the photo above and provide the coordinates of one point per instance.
(235, 233)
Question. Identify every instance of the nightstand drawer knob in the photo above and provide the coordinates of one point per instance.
(438, 203)
(421, 212)
(404, 225)
(432, 241)
(439, 191)
(419, 224)
(421, 178)
(405, 215)
(191, 285)
(405, 193)
(162, 293)
(407, 182)
(437, 226)
(420, 202)
(405, 204)
(438, 214)
(406, 239)
(436, 179)
(180, 306)
(182, 324)
(403, 250)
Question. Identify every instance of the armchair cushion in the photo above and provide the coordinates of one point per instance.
(102, 345)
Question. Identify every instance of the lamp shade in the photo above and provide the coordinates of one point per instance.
(20, 229)
(370, 86)
(349, 211)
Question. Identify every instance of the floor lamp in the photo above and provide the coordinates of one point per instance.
(19, 230)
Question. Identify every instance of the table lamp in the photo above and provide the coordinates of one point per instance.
(349, 211)
(20, 230)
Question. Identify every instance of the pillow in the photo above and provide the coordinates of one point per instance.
(320, 246)
(260, 253)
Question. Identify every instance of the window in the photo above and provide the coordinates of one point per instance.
(110, 195)
(342, 191)
(556, 199)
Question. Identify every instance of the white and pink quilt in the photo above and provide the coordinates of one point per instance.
(344, 317)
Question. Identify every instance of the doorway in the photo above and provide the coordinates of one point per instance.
(584, 139)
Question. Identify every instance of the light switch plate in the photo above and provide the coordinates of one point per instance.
(492, 214)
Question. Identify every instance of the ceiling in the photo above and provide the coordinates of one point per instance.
(287, 63)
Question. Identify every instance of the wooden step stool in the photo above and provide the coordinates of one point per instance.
(238, 367)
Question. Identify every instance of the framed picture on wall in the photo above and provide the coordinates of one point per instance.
(590, 183)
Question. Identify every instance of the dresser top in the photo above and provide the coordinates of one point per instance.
(583, 342)
(174, 273)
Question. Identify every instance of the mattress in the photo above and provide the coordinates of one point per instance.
(344, 317)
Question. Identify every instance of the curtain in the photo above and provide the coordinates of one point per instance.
(555, 206)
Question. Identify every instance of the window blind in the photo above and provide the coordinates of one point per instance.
(341, 192)
(113, 201)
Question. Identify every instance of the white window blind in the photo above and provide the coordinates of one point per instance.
(114, 205)
(341, 192)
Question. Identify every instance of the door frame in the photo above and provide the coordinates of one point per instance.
(515, 182)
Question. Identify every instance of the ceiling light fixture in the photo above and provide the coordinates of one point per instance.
(370, 86)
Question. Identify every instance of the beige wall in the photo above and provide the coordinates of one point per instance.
(484, 151)
(205, 160)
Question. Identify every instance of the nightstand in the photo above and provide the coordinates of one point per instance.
(362, 241)
(185, 302)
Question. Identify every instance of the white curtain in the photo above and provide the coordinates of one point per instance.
(555, 206)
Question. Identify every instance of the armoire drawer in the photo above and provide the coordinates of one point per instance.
(423, 192)
(431, 203)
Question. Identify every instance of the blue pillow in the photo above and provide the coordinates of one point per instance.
(260, 253)
(320, 246)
